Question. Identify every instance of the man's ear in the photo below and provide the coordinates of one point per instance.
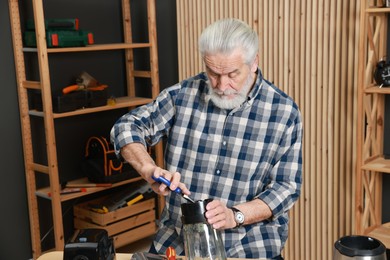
(255, 64)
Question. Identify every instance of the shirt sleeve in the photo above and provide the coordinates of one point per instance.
(146, 124)
(286, 174)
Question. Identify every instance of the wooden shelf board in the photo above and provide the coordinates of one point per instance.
(382, 233)
(45, 192)
(378, 164)
(95, 47)
(378, 10)
(122, 102)
(375, 89)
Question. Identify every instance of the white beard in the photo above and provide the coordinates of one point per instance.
(221, 100)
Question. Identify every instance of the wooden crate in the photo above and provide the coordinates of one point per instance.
(124, 225)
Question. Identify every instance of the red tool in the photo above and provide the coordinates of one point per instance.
(84, 81)
(170, 253)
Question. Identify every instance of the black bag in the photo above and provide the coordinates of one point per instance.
(101, 164)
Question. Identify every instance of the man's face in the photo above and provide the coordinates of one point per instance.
(230, 78)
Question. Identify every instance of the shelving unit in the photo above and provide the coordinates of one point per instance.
(371, 163)
(51, 170)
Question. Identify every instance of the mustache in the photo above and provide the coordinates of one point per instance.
(226, 92)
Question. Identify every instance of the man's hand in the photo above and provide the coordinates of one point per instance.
(219, 216)
(173, 178)
(222, 217)
(138, 157)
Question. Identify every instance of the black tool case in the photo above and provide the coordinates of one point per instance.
(73, 101)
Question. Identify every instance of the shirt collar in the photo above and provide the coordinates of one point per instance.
(257, 86)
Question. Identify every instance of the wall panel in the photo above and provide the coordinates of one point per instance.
(308, 48)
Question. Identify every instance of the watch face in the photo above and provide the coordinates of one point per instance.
(240, 217)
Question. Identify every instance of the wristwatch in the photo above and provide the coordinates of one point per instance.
(238, 217)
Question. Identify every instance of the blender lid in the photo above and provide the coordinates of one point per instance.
(194, 212)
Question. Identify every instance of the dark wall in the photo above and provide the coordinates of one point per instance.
(386, 145)
(14, 221)
(386, 195)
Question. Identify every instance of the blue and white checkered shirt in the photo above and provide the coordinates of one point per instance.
(251, 152)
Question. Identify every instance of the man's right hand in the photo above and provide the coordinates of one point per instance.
(139, 158)
(173, 178)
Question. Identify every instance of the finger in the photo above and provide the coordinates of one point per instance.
(215, 211)
(218, 221)
(156, 188)
(159, 172)
(214, 204)
(175, 181)
(220, 224)
(184, 189)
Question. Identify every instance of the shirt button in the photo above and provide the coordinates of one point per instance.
(218, 172)
(224, 143)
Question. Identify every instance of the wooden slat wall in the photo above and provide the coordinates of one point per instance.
(308, 48)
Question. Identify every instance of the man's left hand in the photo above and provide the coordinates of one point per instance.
(219, 215)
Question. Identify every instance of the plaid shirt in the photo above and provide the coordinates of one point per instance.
(253, 151)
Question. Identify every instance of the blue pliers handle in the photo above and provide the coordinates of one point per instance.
(166, 182)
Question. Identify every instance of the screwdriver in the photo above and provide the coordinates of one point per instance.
(177, 190)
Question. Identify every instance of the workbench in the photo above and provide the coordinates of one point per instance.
(58, 255)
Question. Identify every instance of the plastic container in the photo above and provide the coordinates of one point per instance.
(359, 248)
(201, 240)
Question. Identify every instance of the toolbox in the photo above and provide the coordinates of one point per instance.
(59, 33)
(96, 98)
(56, 24)
(67, 103)
(124, 224)
(61, 38)
(73, 101)
(101, 165)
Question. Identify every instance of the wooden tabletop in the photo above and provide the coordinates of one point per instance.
(58, 255)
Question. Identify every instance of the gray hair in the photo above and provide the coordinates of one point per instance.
(226, 35)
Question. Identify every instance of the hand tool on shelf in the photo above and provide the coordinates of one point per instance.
(85, 185)
(69, 190)
(126, 197)
(84, 82)
(134, 200)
